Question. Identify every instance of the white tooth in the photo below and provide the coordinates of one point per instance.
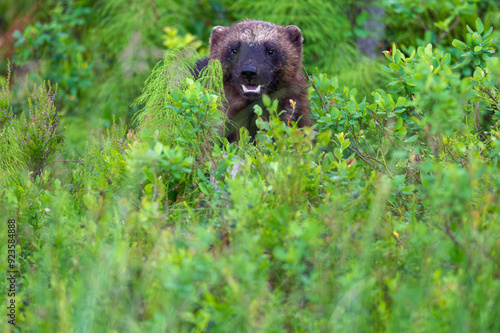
(245, 89)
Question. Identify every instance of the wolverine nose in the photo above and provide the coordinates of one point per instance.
(249, 72)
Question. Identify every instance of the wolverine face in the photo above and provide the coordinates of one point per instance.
(256, 55)
(254, 69)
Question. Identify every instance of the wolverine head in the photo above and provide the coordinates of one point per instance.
(257, 57)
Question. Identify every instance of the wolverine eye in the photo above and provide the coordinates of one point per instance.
(233, 51)
(271, 52)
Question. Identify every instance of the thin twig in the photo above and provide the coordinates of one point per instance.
(155, 12)
(385, 134)
(422, 24)
(486, 145)
(399, 241)
(367, 154)
(491, 96)
(369, 147)
(315, 88)
(361, 156)
(357, 141)
(452, 26)
(385, 163)
(447, 230)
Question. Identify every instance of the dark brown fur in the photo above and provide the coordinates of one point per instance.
(262, 58)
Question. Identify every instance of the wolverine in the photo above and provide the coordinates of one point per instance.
(259, 58)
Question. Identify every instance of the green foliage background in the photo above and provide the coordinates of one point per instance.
(134, 215)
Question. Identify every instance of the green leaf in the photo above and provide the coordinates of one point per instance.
(488, 32)
(479, 26)
(393, 66)
(478, 74)
(428, 50)
(411, 139)
(204, 188)
(460, 146)
(335, 113)
(477, 38)
(446, 59)
(221, 168)
(346, 144)
(398, 56)
(266, 100)
(351, 106)
(337, 153)
(398, 180)
(261, 124)
(399, 123)
(202, 176)
(387, 69)
(459, 44)
(387, 55)
(362, 105)
(158, 148)
(416, 120)
(412, 55)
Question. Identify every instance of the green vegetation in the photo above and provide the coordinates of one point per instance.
(133, 215)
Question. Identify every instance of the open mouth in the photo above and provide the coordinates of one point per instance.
(251, 89)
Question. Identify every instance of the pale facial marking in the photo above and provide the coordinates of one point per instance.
(258, 34)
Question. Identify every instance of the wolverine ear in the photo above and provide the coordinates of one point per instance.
(218, 33)
(295, 36)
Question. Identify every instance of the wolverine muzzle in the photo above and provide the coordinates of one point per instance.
(249, 73)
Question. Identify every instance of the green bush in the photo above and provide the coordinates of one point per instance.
(60, 56)
(382, 217)
(32, 138)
